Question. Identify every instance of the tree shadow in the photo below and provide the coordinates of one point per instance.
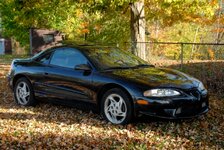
(205, 130)
(58, 141)
(198, 130)
(209, 72)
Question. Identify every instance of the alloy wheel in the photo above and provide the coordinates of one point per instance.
(115, 108)
(22, 93)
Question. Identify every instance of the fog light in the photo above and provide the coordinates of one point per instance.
(178, 111)
(203, 104)
(171, 112)
(142, 102)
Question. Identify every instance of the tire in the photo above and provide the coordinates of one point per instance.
(116, 107)
(23, 93)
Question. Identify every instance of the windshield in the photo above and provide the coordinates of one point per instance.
(38, 54)
(112, 58)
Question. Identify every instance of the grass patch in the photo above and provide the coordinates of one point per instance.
(7, 59)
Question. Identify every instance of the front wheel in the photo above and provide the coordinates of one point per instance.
(23, 93)
(116, 107)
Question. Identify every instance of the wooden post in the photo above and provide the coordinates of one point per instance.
(31, 36)
(138, 29)
(182, 56)
(195, 36)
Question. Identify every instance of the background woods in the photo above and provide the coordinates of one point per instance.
(110, 21)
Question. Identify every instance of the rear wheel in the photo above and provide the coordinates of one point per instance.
(116, 107)
(23, 93)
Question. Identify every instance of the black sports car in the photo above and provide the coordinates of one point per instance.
(119, 83)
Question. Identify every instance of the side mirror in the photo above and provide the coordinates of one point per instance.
(83, 67)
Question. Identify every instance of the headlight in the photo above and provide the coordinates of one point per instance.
(161, 93)
(201, 86)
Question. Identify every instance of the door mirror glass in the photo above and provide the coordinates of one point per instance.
(84, 67)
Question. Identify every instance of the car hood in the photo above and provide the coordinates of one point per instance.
(156, 77)
(22, 60)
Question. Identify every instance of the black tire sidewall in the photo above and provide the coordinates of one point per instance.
(31, 101)
(127, 102)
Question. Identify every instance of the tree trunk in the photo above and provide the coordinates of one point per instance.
(138, 29)
(195, 37)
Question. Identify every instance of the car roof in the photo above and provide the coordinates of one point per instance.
(84, 45)
(89, 46)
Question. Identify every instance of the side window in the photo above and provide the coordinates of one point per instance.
(68, 57)
(44, 59)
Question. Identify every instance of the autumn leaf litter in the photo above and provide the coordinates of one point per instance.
(49, 126)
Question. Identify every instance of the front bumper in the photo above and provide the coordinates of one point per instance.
(10, 81)
(187, 106)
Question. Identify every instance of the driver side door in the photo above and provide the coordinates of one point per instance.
(63, 81)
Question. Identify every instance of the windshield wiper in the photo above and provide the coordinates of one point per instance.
(143, 65)
(119, 67)
(129, 67)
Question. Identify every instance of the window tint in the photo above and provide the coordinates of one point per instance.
(106, 58)
(44, 59)
(68, 58)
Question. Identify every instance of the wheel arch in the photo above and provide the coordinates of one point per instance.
(109, 86)
(17, 77)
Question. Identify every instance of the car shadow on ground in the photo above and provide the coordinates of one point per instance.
(196, 130)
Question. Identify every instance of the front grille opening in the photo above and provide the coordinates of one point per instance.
(194, 93)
